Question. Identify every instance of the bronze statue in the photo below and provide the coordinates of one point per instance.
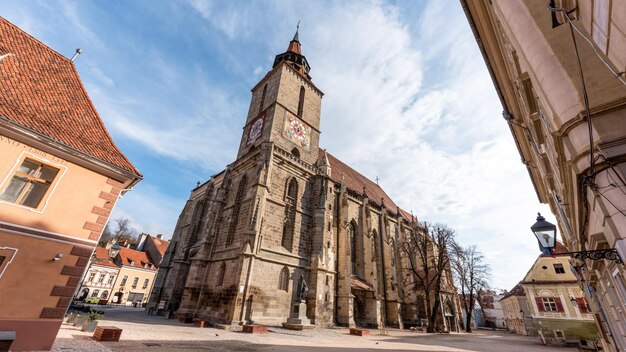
(302, 289)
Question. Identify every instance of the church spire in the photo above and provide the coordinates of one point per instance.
(294, 56)
(295, 36)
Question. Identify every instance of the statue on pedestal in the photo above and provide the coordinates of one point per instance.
(303, 289)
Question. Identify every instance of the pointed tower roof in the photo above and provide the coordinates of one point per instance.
(293, 56)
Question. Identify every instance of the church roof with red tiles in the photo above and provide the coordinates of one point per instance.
(359, 184)
(40, 89)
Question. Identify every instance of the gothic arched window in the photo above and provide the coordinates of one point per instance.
(292, 190)
(263, 97)
(290, 214)
(283, 279)
(374, 235)
(235, 214)
(221, 274)
(301, 102)
(352, 239)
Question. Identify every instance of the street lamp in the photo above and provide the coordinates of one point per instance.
(545, 233)
(546, 236)
(114, 250)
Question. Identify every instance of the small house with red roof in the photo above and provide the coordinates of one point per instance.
(60, 176)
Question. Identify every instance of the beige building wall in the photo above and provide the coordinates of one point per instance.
(98, 283)
(144, 279)
(534, 68)
(513, 308)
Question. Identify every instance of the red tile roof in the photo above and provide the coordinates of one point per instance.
(40, 89)
(102, 258)
(358, 183)
(160, 244)
(129, 256)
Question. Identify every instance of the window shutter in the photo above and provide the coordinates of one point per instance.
(582, 305)
(539, 304)
(559, 305)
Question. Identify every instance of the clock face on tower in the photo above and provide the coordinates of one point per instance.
(255, 131)
(296, 131)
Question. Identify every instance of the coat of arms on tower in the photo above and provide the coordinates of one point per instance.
(296, 131)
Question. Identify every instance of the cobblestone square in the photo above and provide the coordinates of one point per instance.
(155, 333)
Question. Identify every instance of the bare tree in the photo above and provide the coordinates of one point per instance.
(427, 255)
(120, 229)
(471, 275)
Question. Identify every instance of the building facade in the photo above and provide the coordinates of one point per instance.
(100, 276)
(517, 312)
(135, 279)
(577, 164)
(60, 176)
(287, 211)
(558, 309)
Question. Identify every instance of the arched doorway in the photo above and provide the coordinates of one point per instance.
(83, 294)
(360, 318)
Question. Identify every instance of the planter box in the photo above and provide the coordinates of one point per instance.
(107, 333)
(89, 326)
(359, 332)
(201, 324)
(80, 320)
(255, 329)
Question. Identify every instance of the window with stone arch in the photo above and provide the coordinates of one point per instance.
(291, 201)
(221, 274)
(292, 189)
(241, 191)
(283, 279)
(301, 101)
(263, 97)
(295, 152)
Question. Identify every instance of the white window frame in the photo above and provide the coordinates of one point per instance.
(43, 203)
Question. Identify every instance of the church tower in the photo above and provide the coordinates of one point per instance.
(285, 107)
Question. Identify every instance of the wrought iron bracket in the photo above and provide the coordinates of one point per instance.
(600, 254)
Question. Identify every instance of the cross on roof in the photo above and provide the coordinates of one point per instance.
(377, 178)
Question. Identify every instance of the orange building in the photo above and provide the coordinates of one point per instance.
(60, 177)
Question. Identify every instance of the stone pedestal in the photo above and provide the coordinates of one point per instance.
(298, 319)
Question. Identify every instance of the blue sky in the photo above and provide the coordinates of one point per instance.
(407, 99)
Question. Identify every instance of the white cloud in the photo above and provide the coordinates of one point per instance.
(149, 210)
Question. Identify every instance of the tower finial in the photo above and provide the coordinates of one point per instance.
(295, 36)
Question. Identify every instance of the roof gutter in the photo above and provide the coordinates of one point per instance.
(27, 135)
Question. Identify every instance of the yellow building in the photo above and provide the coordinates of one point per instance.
(135, 279)
(557, 307)
(60, 176)
(99, 278)
(517, 312)
(535, 56)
